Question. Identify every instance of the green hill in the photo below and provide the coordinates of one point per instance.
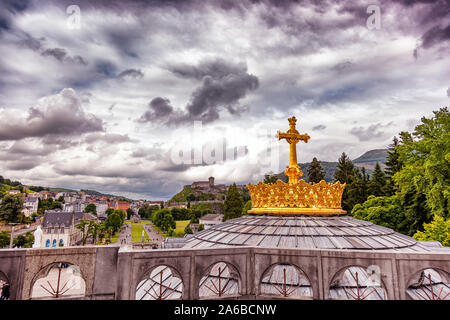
(196, 195)
(368, 160)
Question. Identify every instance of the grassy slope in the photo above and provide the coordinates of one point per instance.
(136, 233)
(181, 224)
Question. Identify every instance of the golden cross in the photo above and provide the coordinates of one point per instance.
(292, 136)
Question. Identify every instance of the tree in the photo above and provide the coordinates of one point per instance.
(48, 204)
(121, 214)
(5, 237)
(168, 222)
(357, 189)
(377, 184)
(188, 230)
(233, 203)
(437, 230)
(247, 206)
(426, 163)
(109, 211)
(130, 212)
(315, 171)
(201, 227)
(384, 211)
(11, 208)
(114, 221)
(345, 173)
(270, 178)
(92, 208)
(421, 175)
(24, 241)
(393, 165)
(158, 216)
(145, 212)
(83, 226)
(345, 169)
(94, 229)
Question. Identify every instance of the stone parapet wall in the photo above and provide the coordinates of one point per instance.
(114, 273)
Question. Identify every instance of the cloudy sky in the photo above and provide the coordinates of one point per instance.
(123, 97)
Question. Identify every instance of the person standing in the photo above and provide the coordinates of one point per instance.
(5, 291)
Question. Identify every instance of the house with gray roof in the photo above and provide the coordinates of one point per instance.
(59, 228)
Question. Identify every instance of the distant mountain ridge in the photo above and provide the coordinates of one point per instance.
(368, 160)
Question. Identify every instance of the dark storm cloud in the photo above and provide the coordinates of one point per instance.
(61, 114)
(23, 165)
(160, 109)
(223, 85)
(60, 54)
(435, 35)
(131, 73)
(9, 8)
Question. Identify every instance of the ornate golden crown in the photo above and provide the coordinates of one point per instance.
(296, 197)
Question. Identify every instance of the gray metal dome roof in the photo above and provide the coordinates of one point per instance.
(313, 231)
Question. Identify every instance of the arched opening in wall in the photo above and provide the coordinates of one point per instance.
(5, 287)
(429, 284)
(163, 283)
(220, 280)
(59, 280)
(358, 283)
(287, 281)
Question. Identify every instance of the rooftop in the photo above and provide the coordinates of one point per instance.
(320, 232)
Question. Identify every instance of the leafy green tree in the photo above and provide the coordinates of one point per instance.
(345, 173)
(5, 237)
(48, 204)
(233, 203)
(201, 227)
(168, 222)
(92, 208)
(94, 230)
(357, 189)
(384, 211)
(437, 230)
(11, 208)
(83, 226)
(188, 230)
(345, 169)
(24, 241)
(170, 232)
(393, 165)
(114, 221)
(158, 216)
(122, 215)
(377, 184)
(145, 212)
(129, 213)
(315, 171)
(426, 163)
(109, 211)
(247, 206)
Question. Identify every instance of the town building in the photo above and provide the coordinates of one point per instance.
(210, 219)
(59, 228)
(30, 206)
